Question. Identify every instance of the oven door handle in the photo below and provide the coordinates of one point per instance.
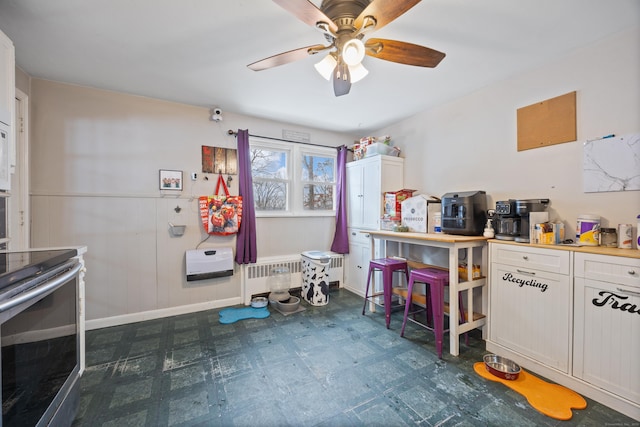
(39, 290)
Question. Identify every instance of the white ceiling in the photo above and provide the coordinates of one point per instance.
(196, 51)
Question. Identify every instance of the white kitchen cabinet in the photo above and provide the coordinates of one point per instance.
(7, 79)
(530, 299)
(601, 334)
(7, 107)
(359, 257)
(367, 181)
(607, 323)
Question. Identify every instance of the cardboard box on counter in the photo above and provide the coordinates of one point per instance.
(548, 233)
(418, 213)
(536, 218)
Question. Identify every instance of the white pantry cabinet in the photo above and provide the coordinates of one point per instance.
(531, 302)
(367, 181)
(607, 323)
(359, 257)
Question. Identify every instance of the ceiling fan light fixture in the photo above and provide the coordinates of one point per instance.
(358, 72)
(353, 52)
(326, 66)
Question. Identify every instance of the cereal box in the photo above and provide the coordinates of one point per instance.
(393, 201)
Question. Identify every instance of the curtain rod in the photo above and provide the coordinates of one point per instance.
(230, 132)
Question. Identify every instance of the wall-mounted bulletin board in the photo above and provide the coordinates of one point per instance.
(548, 122)
(219, 160)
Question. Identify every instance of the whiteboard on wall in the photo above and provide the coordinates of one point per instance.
(612, 164)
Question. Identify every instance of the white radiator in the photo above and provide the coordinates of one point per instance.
(255, 276)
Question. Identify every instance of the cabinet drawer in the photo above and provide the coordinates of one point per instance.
(549, 260)
(359, 236)
(614, 269)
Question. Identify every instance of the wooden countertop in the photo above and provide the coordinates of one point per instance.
(598, 250)
(453, 238)
(435, 237)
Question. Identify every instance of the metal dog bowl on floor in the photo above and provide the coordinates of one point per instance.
(501, 367)
(259, 302)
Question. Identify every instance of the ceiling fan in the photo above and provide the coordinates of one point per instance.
(345, 23)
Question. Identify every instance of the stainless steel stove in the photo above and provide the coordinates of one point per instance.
(39, 337)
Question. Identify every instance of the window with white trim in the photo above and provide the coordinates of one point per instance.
(292, 179)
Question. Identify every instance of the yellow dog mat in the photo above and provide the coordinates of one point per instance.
(553, 400)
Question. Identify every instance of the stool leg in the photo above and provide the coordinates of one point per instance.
(387, 285)
(366, 290)
(429, 304)
(407, 306)
(437, 305)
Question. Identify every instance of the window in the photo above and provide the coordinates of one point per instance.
(292, 179)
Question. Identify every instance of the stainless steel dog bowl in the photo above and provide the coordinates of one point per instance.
(289, 305)
(501, 367)
(259, 302)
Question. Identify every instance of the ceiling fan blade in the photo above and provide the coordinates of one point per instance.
(384, 11)
(286, 57)
(341, 79)
(308, 13)
(403, 53)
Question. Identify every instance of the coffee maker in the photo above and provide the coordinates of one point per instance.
(464, 213)
(514, 218)
(506, 222)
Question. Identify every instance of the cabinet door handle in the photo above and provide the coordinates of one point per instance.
(524, 257)
(624, 291)
(632, 272)
(367, 235)
(530, 273)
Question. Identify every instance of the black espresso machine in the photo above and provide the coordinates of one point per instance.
(512, 220)
(464, 213)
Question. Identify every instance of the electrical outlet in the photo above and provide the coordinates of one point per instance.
(194, 176)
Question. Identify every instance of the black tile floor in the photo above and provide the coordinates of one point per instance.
(325, 366)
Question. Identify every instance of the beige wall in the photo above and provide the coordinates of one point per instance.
(96, 154)
(95, 157)
(470, 143)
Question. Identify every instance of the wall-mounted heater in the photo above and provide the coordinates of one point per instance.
(209, 263)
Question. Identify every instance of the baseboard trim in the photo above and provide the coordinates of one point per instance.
(124, 319)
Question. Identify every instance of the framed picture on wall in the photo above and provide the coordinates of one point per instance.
(170, 180)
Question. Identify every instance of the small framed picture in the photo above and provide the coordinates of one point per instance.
(170, 180)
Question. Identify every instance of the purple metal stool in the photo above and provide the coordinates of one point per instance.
(388, 266)
(436, 280)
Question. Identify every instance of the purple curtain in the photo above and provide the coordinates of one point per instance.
(246, 248)
(341, 237)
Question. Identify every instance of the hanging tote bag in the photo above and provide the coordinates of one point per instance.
(221, 213)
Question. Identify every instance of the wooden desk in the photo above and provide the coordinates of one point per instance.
(476, 317)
